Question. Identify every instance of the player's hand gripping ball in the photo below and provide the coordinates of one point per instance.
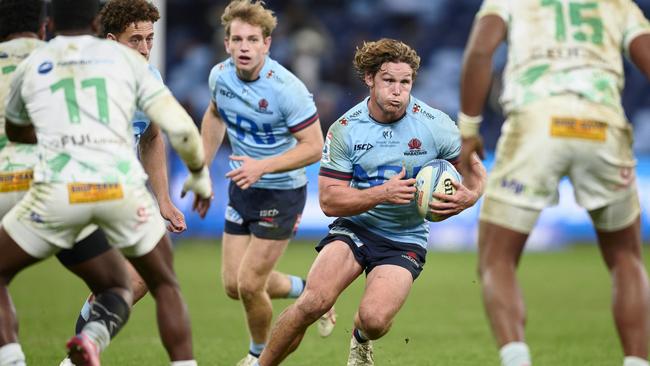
(435, 176)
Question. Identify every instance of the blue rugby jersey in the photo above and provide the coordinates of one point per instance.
(262, 115)
(367, 153)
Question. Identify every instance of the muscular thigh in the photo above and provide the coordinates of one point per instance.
(261, 257)
(233, 248)
(387, 288)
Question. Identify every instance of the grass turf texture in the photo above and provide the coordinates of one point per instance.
(442, 322)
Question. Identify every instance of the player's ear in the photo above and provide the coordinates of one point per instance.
(368, 78)
(226, 44)
(111, 36)
(267, 44)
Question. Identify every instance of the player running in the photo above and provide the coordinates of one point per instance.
(274, 132)
(368, 167)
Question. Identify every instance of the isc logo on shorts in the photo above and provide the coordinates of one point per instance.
(269, 213)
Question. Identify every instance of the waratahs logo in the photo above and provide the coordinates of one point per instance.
(263, 105)
(45, 67)
(415, 144)
(415, 148)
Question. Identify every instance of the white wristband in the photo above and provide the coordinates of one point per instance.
(468, 125)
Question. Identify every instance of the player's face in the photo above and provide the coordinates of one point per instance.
(138, 36)
(390, 89)
(248, 47)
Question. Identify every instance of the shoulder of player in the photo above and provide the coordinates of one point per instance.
(353, 117)
(279, 76)
(222, 68)
(422, 112)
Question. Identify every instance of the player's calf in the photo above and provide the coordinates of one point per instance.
(108, 314)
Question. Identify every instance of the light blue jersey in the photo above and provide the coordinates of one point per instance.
(262, 116)
(367, 153)
(140, 120)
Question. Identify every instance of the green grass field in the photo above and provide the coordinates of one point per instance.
(442, 323)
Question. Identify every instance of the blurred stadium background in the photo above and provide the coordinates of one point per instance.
(316, 39)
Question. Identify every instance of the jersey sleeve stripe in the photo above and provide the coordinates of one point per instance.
(304, 124)
(331, 173)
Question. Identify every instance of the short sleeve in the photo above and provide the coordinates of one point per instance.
(212, 82)
(336, 161)
(15, 109)
(448, 139)
(495, 7)
(635, 23)
(297, 106)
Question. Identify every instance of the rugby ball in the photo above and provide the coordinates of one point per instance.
(435, 176)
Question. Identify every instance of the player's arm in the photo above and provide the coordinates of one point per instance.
(467, 192)
(154, 161)
(166, 112)
(337, 198)
(19, 133)
(640, 53)
(213, 128)
(306, 151)
(476, 75)
(18, 126)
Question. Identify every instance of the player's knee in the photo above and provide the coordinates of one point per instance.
(231, 290)
(250, 288)
(374, 324)
(313, 305)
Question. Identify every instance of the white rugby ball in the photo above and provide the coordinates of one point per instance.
(435, 176)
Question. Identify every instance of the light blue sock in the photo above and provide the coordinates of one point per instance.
(256, 349)
(297, 285)
(85, 310)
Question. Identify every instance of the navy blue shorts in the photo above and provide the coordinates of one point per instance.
(371, 250)
(266, 213)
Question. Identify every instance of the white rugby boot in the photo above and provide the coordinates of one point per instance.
(360, 353)
(326, 323)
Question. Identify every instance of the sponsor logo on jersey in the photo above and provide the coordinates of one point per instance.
(45, 67)
(363, 147)
(387, 133)
(343, 121)
(270, 74)
(418, 109)
(226, 93)
(4, 55)
(415, 148)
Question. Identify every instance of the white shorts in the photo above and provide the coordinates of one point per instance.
(13, 186)
(557, 137)
(52, 216)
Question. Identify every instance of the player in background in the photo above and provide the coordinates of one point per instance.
(130, 22)
(367, 175)
(562, 96)
(274, 132)
(65, 97)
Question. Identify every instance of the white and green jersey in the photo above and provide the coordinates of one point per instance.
(561, 47)
(81, 93)
(14, 157)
